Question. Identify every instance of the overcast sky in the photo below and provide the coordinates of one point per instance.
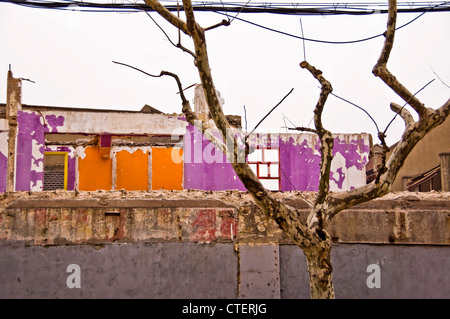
(69, 55)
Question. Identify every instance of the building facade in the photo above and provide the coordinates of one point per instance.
(87, 150)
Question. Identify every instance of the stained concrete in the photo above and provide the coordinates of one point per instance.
(259, 268)
(406, 271)
(144, 270)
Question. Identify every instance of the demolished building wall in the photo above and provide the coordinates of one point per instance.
(108, 150)
(196, 244)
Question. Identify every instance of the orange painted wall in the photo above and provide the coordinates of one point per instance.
(132, 170)
(166, 174)
(94, 171)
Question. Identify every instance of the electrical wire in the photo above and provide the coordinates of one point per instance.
(333, 42)
(279, 8)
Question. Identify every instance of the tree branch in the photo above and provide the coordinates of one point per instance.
(178, 45)
(191, 117)
(318, 216)
(284, 215)
(169, 16)
(303, 129)
(414, 131)
(380, 69)
(326, 138)
(404, 113)
(222, 23)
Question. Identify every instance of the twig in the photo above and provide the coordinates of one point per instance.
(303, 37)
(440, 78)
(298, 193)
(302, 128)
(270, 112)
(188, 87)
(173, 75)
(223, 22)
(245, 119)
(223, 6)
(168, 38)
(240, 10)
(288, 119)
(285, 125)
(401, 109)
(22, 79)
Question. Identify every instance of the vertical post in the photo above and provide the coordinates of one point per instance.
(445, 171)
(13, 105)
(201, 106)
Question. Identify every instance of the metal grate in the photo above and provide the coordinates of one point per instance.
(53, 181)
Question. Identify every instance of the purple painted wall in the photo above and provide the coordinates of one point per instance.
(300, 165)
(206, 167)
(30, 148)
(3, 172)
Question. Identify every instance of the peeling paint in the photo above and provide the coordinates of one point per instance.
(3, 160)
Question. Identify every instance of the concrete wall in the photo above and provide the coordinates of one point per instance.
(216, 271)
(140, 270)
(3, 157)
(407, 272)
(193, 244)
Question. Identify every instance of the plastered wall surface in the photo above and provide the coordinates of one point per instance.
(94, 170)
(132, 170)
(167, 168)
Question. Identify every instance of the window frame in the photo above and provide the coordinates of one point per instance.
(66, 164)
(268, 163)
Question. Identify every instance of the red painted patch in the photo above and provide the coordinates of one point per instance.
(204, 225)
(40, 218)
(228, 225)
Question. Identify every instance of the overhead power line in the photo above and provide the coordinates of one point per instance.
(224, 8)
(242, 7)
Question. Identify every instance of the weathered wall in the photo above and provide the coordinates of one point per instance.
(139, 270)
(207, 168)
(194, 244)
(33, 125)
(203, 167)
(407, 272)
(3, 157)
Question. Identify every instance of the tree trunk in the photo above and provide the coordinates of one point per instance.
(318, 258)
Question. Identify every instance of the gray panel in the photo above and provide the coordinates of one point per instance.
(294, 278)
(405, 271)
(259, 272)
(157, 270)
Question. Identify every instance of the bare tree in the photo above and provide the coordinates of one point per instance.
(312, 236)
